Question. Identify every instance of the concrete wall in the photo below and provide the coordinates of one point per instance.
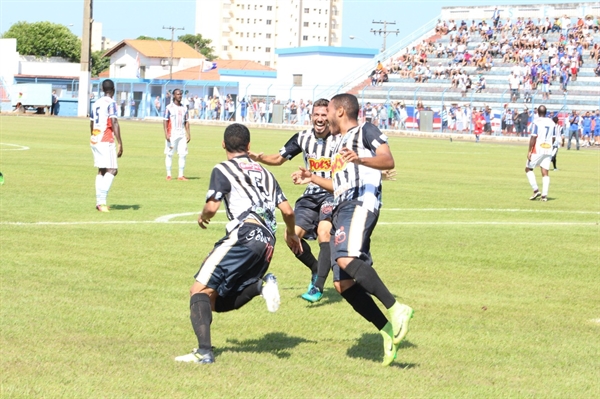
(9, 66)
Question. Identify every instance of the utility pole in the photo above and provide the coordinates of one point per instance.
(173, 29)
(84, 75)
(384, 31)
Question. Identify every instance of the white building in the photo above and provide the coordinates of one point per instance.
(252, 30)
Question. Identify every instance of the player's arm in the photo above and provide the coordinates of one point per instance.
(292, 240)
(91, 127)
(208, 212)
(532, 141)
(305, 176)
(186, 124)
(383, 159)
(271, 160)
(117, 134)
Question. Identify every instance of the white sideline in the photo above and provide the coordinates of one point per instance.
(21, 147)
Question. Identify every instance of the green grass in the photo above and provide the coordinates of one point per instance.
(506, 290)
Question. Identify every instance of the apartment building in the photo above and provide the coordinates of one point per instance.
(253, 29)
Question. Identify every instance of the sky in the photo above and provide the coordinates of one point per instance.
(128, 19)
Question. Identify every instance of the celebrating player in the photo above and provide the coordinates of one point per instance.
(313, 208)
(360, 154)
(104, 128)
(233, 272)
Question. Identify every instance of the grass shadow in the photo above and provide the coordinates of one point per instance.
(277, 344)
(369, 347)
(119, 207)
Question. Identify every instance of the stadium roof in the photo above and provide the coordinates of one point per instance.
(236, 67)
(157, 49)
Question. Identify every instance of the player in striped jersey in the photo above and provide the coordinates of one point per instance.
(313, 208)
(177, 133)
(543, 135)
(233, 272)
(360, 155)
(104, 128)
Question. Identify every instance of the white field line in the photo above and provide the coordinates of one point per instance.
(19, 147)
(168, 219)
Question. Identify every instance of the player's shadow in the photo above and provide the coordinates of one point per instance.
(370, 347)
(277, 344)
(193, 178)
(119, 207)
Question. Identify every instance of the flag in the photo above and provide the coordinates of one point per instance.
(208, 66)
(138, 68)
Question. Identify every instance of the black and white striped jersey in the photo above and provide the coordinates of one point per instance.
(358, 182)
(316, 152)
(247, 189)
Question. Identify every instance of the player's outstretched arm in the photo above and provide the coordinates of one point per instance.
(210, 209)
(271, 160)
(305, 176)
(292, 240)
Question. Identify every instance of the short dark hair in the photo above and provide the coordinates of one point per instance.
(179, 90)
(236, 138)
(108, 86)
(321, 102)
(542, 110)
(349, 102)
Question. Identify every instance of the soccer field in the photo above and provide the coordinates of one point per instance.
(506, 291)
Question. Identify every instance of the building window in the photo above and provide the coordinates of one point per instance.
(224, 48)
(267, 63)
(254, 49)
(268, 22)
(247, 47)
(305, 38)
(306, 10)
(254, 34)
(305, 24)
(267, 49)
(297, 80)
(268, 35)
(269, 8)
(248, 20)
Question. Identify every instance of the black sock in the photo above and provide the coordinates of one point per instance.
(324, 265)
(365, 306)
(235, 302)
(308, 258)
(369, 279)
(201, 317)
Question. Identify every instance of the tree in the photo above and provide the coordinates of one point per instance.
(200, 44)
(150, 38)
(99, 62)
(45, 39)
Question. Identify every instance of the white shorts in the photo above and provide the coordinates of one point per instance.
(541, 160)
(178, 144)
(105, 155)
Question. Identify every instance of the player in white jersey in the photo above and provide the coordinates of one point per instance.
(177, 133)
(360, 155)
(104, 128)
(543, 135)
(313, 209)
(234, 271)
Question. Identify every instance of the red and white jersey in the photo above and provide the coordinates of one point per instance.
(103, 111)
(176, 117)
(545, 131)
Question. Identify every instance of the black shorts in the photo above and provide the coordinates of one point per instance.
(487, 128)
(312, 209)
(239, 259)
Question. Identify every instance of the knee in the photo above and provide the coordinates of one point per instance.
(112, 171)
(343, 285)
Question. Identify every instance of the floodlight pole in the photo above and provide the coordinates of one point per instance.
(173, 29)
(384, 31)
(84, 74)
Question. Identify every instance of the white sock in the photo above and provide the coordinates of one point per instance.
(98, 189)
(105, 186)
(545, 185)
(168, 164)
(532, 181)
(181, 165)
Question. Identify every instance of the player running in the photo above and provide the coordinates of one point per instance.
(543, 135)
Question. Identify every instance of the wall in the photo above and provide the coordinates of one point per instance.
(9, 66)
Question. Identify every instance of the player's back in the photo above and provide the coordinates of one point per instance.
(103, 110)
(253, 190)
(545, 131)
